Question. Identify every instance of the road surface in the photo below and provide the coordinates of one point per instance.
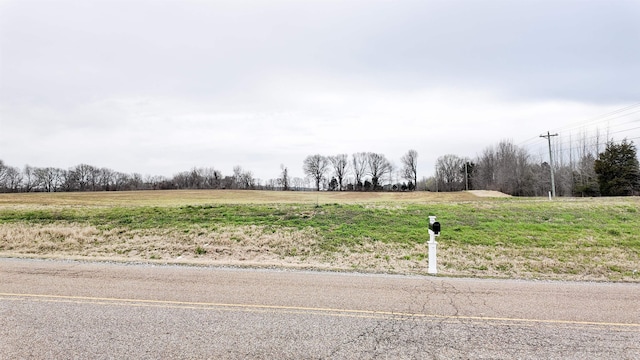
(68, 309)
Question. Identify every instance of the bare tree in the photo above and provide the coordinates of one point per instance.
(448, 174)
(83, 176)
(249, 181)
(284, 180)
(410, 167)
(94, 178)
(3, 172)
(514, 175)
(135, 182)
(359, 162)
(195, 178)
(315, 166)
(378, 166)
(486, 172)
(393, 170)
(238, 175)
(340, 165)
(212, 178)
(11, 179)
(242, 179)
(181, 180)
(29, 179)
(298, 183)
(507, 168)
(192, 179)
(107, 178)
(585, 182)
(69, 180)
(49, 178)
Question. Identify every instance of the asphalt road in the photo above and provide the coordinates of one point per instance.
(67, 310)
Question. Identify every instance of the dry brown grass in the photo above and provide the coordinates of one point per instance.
(285, 247)
(258, 246)
(251, 243)
(199, 197)
(540, 263)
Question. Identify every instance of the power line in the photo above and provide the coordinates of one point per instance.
(568, 149)
(598, 119)
(598, 136)
(562, 151)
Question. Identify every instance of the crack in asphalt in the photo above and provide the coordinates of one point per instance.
(396, 334)
(410, 337)
(430, 318)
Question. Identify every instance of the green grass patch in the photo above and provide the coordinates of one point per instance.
(574, 234)
(498, 223)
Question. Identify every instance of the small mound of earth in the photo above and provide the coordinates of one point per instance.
(488, 193)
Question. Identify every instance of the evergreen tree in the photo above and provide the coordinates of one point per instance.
(618, 170)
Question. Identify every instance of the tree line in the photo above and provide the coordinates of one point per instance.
(363, 171)
(589, 171)
(371, 170)
(85, 177)
(510, 169)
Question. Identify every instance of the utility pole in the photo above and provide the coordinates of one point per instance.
(553, 182)
(466, 175)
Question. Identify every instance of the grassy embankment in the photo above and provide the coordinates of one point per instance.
(578, 239)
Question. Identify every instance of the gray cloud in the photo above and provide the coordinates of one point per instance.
(192, 81)
(53, 49)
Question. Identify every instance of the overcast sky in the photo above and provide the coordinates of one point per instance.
(158, 87)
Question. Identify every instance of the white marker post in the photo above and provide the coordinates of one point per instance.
(434, 230)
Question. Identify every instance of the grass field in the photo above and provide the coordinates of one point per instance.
(572, 239)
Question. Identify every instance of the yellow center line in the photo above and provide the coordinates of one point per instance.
(296, 309)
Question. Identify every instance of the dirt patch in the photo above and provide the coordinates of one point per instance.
(488, 194)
